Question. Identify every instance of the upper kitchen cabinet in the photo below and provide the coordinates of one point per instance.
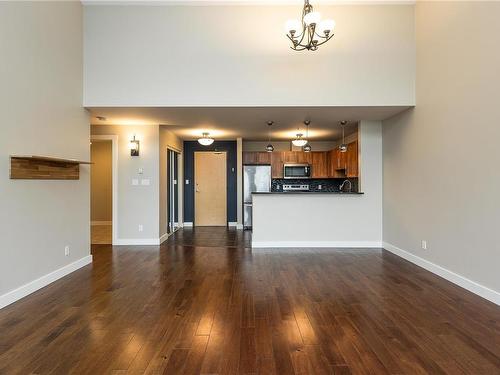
(277, 164)
(344, 164)
(320, 164)
(304, 157)
(257, 157)
(352, 159)
(290, 157)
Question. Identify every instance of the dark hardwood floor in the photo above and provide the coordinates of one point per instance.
(205, 303)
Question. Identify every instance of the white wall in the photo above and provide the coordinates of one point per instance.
(441, 159)
(137, 205)
(40, 104)
(327, 220)
(239, 55)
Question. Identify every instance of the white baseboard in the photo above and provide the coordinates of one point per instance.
(101, 223)
(471, 286)
(239, 226)
(164, 237)
(33, 286)
(307, 244)
(188, 223)
(136, 241)
(232, 224)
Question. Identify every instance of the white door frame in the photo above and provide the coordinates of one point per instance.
(114, 172)
(179, 192)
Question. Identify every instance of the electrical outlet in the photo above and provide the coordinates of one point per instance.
(424, 244)
(141, 228)
(66, 250)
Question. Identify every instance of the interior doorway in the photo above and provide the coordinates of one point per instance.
(210, 178)
(101, 191)
(172, 190)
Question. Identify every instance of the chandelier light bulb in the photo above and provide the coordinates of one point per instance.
(294, 26)
(309, 32)
(312, 18)
(326, 27)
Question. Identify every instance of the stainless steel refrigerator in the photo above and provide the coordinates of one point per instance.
(256, 178)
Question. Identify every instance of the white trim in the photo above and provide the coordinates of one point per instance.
(471, 286)
(114, 171)
(33, 286)
(232, 224)
(97, 222)
(164, 237)
(188, 223)
(239, 226)
(312, 244)
(136, 241)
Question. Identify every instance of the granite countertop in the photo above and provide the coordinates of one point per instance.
(309, 192)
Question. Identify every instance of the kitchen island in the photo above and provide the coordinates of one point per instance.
(316, 219)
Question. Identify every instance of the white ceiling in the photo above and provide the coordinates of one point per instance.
(246, 122)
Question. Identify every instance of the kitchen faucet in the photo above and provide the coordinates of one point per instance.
(343, 183)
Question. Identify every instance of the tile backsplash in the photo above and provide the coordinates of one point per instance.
(327, 185)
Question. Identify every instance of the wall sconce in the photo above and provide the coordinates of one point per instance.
(134, 147)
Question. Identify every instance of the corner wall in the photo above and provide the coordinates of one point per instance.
(41, 106)
(441, 179)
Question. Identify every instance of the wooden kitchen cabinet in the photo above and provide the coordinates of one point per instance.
(352, 160)
(304, 157)
(344, 164)
(277, 164)
(260, 157)
(290, 157)
(320, 164)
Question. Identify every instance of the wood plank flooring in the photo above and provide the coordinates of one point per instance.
(205, 303)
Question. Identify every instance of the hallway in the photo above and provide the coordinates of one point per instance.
(204, 302)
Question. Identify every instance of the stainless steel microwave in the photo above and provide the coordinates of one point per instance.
(297, 171)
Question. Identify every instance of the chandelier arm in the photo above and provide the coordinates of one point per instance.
(303, 33)
(323, 42)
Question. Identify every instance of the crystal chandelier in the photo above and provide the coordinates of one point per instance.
(311, 32)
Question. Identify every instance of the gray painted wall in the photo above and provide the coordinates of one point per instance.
(40, 102)
(137, 205)
(441, 178)
(239, 55)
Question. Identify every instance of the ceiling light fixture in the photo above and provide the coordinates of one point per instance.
(299, 141)
(311, 32)
(205, 140)
(343, 146)
(307, 147)
(269, 147)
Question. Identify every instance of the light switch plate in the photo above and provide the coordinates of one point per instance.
(145, 182)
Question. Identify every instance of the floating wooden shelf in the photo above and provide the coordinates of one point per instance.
(33, 167)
